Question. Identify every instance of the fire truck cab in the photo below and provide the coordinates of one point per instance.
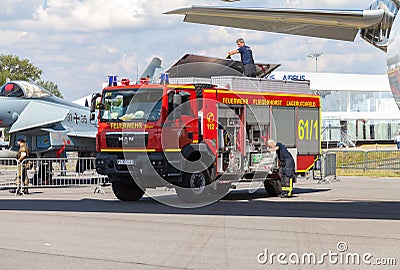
(203, 138)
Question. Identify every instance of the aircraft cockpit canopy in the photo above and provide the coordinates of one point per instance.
(23, 89)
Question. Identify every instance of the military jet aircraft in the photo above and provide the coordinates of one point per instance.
(378, 25)
(47, 123)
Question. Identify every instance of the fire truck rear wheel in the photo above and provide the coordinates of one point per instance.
(273, 187)
(127, 192)
(194, 187)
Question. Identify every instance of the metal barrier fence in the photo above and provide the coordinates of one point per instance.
(51, 172)
(368, 160)
(8, 172)
(330, 164)
(325, 167)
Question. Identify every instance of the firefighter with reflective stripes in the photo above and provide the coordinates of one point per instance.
(286, 167)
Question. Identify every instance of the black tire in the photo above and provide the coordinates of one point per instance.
(127, 192)
(194, 187)
(273, 187)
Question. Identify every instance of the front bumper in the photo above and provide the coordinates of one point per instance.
(151, 169)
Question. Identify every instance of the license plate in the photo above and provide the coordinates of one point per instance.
(126, 162)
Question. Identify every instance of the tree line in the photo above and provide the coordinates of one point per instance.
(14, 68)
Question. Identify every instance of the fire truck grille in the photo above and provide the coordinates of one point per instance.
(134, 139)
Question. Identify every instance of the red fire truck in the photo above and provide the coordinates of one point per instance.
(201, 138)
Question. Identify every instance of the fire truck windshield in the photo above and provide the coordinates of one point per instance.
(131, 105)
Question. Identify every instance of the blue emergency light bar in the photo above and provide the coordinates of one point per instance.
(164, 78)
(112, 80)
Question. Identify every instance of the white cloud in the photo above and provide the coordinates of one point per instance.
(18, 9)
(68, 15)
(92, 15)
(9, 37)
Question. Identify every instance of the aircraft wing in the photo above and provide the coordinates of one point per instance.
(38, 114)
(331, 24)
(78, 134)
(83, 134)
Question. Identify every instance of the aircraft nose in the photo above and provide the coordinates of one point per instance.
(7, 116)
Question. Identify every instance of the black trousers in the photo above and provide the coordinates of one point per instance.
(288, 176)
(249, 70)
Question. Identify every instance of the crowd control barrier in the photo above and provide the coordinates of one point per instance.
(371, 160)
(325, 168)
(51, 172)
(8, 172)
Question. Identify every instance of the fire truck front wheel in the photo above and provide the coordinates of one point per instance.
(126, 192)
(194, 187)
(273, 187)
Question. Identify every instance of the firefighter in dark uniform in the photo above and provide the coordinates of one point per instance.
(286, 167)
(246, 55)
(22, 175)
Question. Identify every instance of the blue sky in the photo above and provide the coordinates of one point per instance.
(77, 43)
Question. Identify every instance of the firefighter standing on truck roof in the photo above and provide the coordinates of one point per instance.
(246, 54)
(287, 167)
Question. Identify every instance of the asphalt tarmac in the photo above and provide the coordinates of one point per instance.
(325, 226)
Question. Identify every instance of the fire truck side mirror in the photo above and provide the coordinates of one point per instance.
(93, 102)
(94, 105)
(177, 102)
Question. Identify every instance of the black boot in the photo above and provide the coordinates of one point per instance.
(25, 190)
(284, 194)
(17, 191)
